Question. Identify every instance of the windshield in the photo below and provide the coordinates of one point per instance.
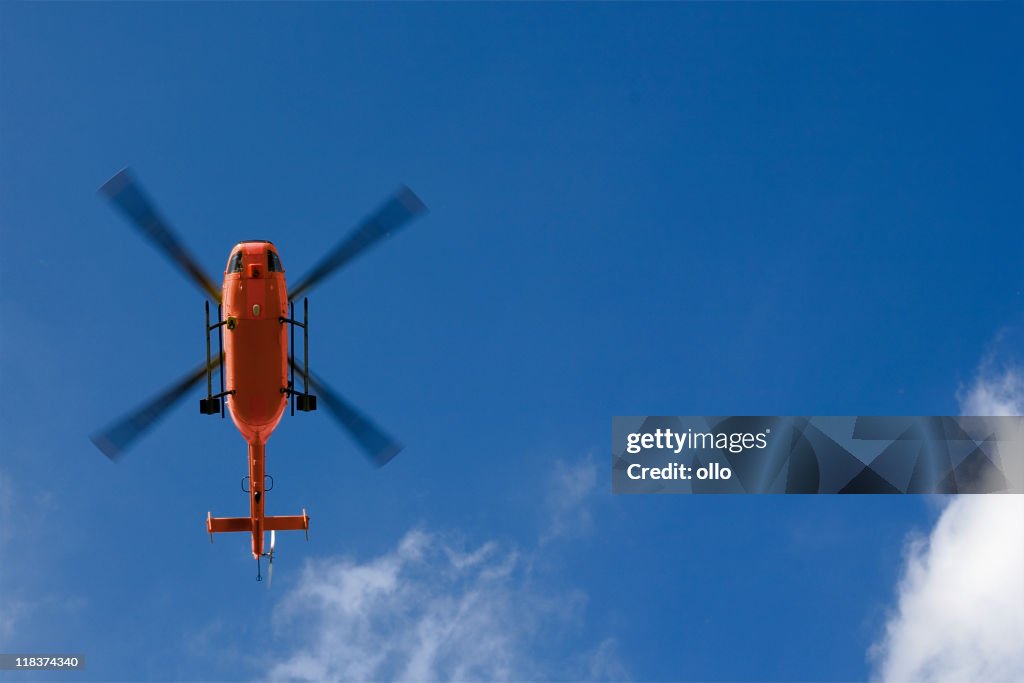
(273, 262)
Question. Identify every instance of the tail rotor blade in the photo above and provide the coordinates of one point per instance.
(126, 193)
(380, 447)
(394, 214)
(115, 439)
(270, 560)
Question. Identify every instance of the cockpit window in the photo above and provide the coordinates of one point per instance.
(235, 264)
(273, 262)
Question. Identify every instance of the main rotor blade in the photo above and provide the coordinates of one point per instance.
(124, 190)
(380, 447)
(116, 438)
(396, 212)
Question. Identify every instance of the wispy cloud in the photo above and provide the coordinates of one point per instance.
(998, 389)
(960, 606)
(12, 610)
(436, 608)
(568, 504)
(27, 599)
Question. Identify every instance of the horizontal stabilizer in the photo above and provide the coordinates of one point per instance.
(287, 523)
(219, 525)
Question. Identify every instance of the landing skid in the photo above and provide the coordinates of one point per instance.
(306, 401)
(212, 404)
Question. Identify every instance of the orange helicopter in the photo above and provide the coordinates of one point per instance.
(256, 352)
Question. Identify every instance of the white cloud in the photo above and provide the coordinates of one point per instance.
(960, 613)
(994, 393)
(960, 607)
(433, 608)
(430, 609)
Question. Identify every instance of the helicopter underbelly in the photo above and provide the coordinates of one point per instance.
(256, 354)
(255, 357)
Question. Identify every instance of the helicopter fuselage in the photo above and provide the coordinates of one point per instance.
(255, 307)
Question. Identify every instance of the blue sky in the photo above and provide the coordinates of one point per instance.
(635, 209)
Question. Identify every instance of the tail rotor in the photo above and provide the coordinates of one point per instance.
(270, 559)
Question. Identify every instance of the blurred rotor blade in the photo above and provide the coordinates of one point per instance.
(124, 190)
(380, 447)
(403, 206)
(115, 439)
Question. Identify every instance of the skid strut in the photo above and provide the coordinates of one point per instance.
(304, 401)
(211, 405)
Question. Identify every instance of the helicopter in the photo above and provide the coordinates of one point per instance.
(255, 362)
